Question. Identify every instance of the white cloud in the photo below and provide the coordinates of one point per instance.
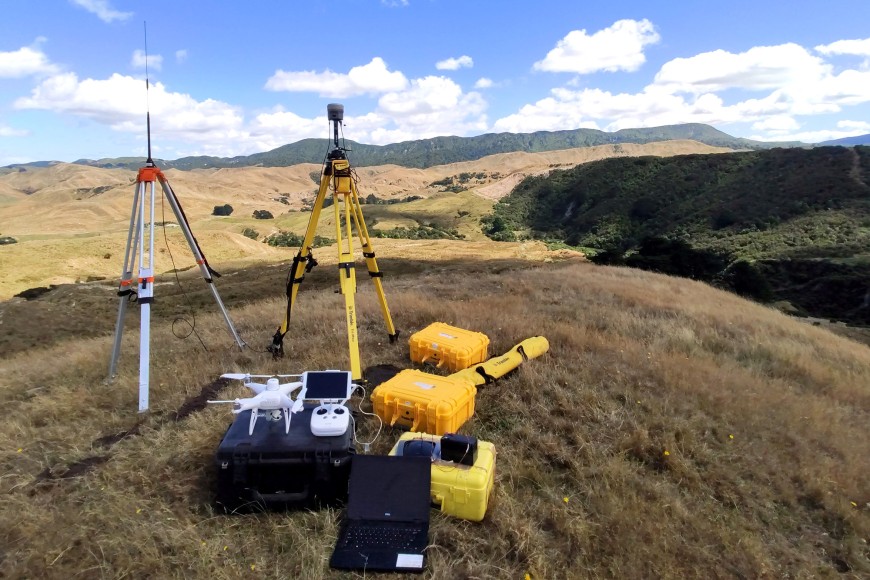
(155, 61)
(759, 68)
(394, 3)
(102, 9)
(777, 124)
(855, 47)
(119, 102)
(279, 127)
(180, 55)
(24, 62)
(372, 78)
(10, 132)
(859, 126)
(619, 47)
(792, 83)
(429, 107)
(483, 83)
(452, 63)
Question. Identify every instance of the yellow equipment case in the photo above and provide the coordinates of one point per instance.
(419, 401)
(459, 490)
(448, 347)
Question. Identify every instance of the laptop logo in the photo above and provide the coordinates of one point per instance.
(387, 514)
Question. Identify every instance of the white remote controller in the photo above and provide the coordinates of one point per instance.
(330, 420)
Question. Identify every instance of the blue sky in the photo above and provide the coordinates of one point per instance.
(234, 78)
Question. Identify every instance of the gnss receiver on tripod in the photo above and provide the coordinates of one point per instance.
(339, 178)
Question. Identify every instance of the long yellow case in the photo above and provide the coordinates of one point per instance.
(447, 346)
(420, 401)
(460, 490)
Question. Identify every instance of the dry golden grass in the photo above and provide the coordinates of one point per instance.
(673, 430)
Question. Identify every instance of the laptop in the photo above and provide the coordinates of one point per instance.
(386, 526)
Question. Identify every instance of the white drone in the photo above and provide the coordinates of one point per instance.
(272, 396)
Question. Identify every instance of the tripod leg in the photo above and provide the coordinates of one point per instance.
(297, 270)
(347, 279)
(124, 290)
(198, 256)
(146, 296)
(371, 263)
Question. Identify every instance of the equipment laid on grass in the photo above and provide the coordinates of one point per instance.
(420, 401)
(272, 396)
(386, 526)
(341, 179)
(140, 254)
(497, 367)
(271, 468)
(449, 347)
(458, 489)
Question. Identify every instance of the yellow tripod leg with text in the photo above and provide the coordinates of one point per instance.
(371, 261)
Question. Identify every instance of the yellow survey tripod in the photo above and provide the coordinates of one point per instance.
(340, 178)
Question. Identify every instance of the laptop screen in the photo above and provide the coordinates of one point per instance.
(389, 488)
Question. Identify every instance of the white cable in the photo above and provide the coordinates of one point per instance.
(366, 445)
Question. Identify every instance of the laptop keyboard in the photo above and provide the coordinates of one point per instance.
(380, 536)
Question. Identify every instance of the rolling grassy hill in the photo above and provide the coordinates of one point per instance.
(801, 216)
(424, 153)
(672, 430)
(83, 212)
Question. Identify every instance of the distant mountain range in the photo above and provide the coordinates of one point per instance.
(850, 141)
(424, 153)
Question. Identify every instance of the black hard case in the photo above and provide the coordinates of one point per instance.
(271, 469)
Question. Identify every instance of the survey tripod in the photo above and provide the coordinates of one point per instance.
(340, 178)
(140, 255)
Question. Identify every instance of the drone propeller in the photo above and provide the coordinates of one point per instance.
(245, 376)
(220, 402)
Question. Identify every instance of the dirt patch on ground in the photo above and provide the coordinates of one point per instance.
(83, 466)
(198, 402)
(75, 469)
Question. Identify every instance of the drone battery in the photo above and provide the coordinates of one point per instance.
(458, 490)
(448, 347)
(420, 401)
(273, 469)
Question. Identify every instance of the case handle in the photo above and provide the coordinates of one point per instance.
(266, 498)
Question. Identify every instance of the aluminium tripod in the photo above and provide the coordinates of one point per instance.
(339, 177)
(140, 249)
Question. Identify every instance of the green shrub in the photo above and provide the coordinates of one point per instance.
(290, 240)
(225, 209)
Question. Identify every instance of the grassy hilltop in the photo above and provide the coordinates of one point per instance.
(673, 430)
